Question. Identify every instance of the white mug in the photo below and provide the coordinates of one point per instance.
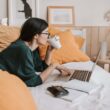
(55, 42)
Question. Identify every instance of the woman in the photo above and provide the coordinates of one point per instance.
(22, 57)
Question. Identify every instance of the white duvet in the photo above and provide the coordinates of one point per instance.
(98, 99)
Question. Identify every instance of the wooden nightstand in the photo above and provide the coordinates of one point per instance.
(105, 63)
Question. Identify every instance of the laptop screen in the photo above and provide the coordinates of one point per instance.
(97, 57)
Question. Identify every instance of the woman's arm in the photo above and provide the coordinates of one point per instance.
(45, 74)
(64, 71)
(49, 55)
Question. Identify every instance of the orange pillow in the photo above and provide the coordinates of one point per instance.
(79, 40)
(54, 31)
(14, 95)
(69, 51)
(8, 34)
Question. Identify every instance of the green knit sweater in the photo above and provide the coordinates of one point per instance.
(18, 59)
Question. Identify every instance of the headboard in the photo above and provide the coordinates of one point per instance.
(81, 33)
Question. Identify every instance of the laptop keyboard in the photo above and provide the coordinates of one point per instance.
(82, 75)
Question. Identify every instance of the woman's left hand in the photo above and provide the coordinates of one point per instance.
(48, 56)
(50, 49)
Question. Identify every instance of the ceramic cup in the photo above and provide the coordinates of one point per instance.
(55, 42)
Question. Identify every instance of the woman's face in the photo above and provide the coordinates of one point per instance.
(43, 37)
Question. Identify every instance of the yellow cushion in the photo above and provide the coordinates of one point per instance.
(54, 31)
(14, 95)
(8, 34)
(79, 40)
(69, 51)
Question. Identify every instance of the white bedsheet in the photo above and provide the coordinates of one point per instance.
(99, 99)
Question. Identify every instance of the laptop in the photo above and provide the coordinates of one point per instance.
(82, 75)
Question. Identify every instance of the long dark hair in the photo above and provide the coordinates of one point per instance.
(32, 27)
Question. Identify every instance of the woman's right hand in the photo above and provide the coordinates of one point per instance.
(64, 70)
(55, 65)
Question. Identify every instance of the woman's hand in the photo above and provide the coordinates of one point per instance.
(50, 50)
(55, 65)
(64, 71)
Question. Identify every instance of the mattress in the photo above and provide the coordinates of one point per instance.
(98, 99)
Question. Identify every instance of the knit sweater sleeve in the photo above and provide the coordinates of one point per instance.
(26, 69)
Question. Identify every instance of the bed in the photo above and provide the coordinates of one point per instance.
(98, 99)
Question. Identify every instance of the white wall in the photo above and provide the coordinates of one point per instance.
(87, 12)
(3, 9)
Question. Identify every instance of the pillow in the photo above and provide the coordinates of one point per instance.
(14, 95)
(79, 40)
(8, 34)
(69, 52)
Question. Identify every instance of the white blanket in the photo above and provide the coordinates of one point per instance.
(99, 99)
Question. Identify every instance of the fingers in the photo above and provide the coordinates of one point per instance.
(55, 65)
(51, 48)
(64, 73)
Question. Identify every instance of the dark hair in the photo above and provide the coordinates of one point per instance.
(32, 27)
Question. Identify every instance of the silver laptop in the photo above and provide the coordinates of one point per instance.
(83, 75)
